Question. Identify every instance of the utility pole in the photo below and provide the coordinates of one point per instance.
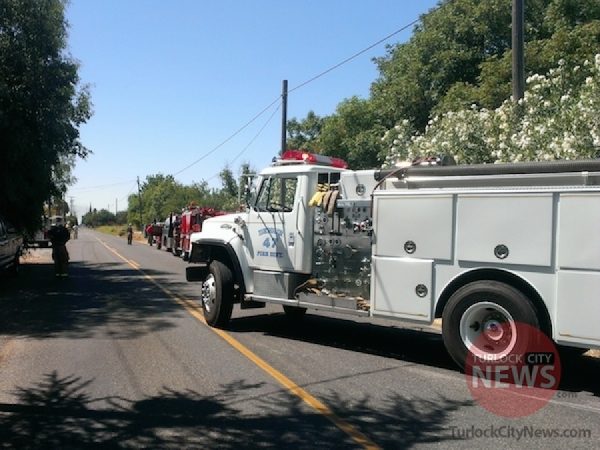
(140, 203)
(116, 206)
(518, 63)
(284, 95)
(72, 206)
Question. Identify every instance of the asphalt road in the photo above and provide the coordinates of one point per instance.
(117, 356)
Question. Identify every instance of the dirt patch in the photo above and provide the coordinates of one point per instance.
(37, 256)
(593, 353)
(139, 236)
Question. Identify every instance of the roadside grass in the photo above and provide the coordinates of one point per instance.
(115, 230)
(121, 231)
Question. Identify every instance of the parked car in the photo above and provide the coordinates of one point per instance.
(11, 245)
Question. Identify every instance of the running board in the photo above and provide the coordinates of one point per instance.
(343, 305)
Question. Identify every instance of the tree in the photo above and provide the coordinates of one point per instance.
(121, 218)
(556, 119)
(230, 186)
(353, 133)
(304, 134)
(97, 218)
(41, 108)
(461, 55)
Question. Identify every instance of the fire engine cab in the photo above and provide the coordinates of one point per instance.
(482, 246)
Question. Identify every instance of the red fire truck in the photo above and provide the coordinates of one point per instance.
(191, 222)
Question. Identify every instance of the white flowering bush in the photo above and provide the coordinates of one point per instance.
(558, 118)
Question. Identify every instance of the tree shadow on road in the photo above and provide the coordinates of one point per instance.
(59, 413)
(109, 296)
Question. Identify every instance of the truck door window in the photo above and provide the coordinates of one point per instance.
(277, 194)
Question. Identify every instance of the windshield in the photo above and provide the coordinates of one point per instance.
(277, 194)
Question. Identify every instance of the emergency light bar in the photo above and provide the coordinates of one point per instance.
(313, 158)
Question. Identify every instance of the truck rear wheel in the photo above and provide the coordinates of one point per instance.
(217, 295)
(479, 319)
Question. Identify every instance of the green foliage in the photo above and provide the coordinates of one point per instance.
(98, 218)
(459, 56)
(303, 134)
(557, 119)
(162, 195)
(121, 217)
(41, 108)
(353, 133)
(72, 220)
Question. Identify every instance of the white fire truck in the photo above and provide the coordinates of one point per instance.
(482, 247)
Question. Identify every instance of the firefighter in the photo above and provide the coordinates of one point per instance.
(149, 235)
(59, 235)
(129, 234)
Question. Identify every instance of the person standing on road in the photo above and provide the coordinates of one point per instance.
(149, 235)
(59, 236)
(129, 234)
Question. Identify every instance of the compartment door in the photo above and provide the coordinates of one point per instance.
(578, 307)
(505, 228)
(402, 288)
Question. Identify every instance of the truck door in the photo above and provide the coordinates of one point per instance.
(279, 234)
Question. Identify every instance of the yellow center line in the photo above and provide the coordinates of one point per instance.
(196, 312)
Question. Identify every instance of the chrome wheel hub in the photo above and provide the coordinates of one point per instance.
(208, 293)
(488, 330)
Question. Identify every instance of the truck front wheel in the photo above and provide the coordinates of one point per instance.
(217, 295)
(481, 318)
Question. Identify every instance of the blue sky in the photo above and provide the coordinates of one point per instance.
(171, 80)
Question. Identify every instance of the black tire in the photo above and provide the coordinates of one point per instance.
(217, 295)
(519, 307)
(294, 313)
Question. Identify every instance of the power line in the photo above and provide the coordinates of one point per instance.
(101, 186)
(238, 131)
(266, 108)
(356, 55)
(256, 135)
(130, 191)
(301, 85)
(251, 141)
